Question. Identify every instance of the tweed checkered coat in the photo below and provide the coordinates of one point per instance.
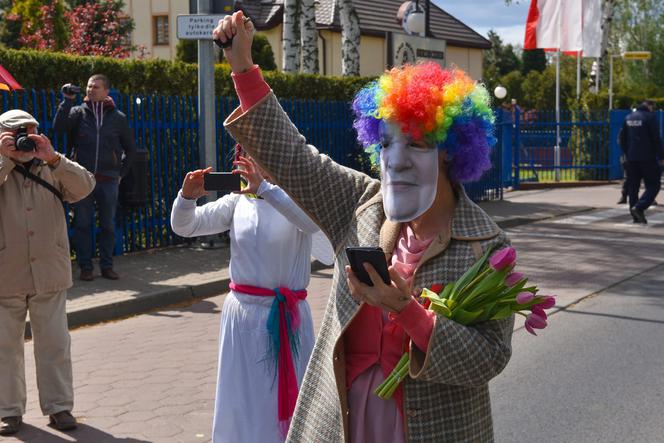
(446, 397)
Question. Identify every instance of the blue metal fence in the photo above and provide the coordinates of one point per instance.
(167, 128)
(588, 145)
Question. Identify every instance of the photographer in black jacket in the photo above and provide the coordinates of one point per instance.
(640, 140)
(103, 143)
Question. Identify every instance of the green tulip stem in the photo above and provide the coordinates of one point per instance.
(392, 382)
(477, 279)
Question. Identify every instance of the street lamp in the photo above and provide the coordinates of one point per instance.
(415, 20)
(500, 92)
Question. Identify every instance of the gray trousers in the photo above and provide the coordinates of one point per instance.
(48, 320)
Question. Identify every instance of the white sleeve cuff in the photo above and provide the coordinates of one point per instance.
(184, 202)
(264, 187)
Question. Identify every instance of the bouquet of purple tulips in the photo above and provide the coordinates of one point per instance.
(489, 290)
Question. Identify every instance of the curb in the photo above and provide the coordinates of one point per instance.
(178, 295)
(529, 186)
(189, 294)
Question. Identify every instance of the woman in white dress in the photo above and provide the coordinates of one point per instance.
(271, 246)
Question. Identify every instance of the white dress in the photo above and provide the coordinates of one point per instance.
(271, 244)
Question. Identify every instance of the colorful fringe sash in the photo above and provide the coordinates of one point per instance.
(282, 324)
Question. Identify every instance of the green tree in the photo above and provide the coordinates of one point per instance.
(638, 25)
(533, 60)
(42, 24)
(100, 28)
(187, 51)
(539, 88)
(261, 52)
(500, 60)
(513, 82)
(10, 30)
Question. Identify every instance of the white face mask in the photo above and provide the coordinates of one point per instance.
(409, 175)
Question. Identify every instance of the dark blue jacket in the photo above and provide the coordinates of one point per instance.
(639, 137)
(98, 148)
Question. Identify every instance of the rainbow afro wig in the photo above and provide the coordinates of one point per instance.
(442, 107)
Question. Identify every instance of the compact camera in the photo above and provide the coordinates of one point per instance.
(23, 142)
(70, 89)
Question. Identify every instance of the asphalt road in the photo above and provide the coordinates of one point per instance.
(595, 374)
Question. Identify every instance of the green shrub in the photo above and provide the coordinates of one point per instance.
(48, 70)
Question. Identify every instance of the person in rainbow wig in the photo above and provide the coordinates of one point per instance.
(431, 130)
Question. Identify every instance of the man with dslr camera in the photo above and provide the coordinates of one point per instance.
(35, 268)
(102, 143)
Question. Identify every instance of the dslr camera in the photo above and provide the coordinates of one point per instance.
(70, 89)
(23, 142)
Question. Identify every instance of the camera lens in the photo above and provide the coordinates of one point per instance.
(23, 143)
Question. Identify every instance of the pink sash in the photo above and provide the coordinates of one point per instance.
(282, 324)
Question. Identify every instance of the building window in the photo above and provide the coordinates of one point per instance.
(124, 20)
(160, 26)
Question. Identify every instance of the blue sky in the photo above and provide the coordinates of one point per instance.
(482, 15)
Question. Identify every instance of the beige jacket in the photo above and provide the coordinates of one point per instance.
(446, 396)
(34, 247)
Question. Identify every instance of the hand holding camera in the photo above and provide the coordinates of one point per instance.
(193, 185)
(250, 172)
(43, 147)
(70, 90)
(16, 144)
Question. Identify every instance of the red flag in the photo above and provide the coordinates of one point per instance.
(554, 25)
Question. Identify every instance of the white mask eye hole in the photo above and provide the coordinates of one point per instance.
(415, 147)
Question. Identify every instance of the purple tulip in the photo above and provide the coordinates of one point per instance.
(537, 309)
(513, 278)
(534, 321)
(524, 297)
(503, 259)
(548, 302)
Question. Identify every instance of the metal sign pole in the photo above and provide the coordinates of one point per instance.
(207, 146)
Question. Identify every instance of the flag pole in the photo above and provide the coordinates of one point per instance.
(578, 75)
(557, 147)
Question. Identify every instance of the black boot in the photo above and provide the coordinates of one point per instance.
(638, 215)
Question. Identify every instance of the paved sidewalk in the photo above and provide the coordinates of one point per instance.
(163, 277)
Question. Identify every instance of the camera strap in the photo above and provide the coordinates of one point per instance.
(41, 181)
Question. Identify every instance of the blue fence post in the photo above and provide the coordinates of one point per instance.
(516, 149)
(616, 118)
(504, 130)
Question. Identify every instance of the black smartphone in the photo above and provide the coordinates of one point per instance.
(374, 256)
(221, 181)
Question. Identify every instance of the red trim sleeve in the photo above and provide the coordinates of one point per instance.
(417, 322)
(250, 87)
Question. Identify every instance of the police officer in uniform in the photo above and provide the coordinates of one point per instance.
(641, 143)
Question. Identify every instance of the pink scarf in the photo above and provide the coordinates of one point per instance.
(408, 253)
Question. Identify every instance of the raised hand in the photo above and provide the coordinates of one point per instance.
(192, 187)
(250, 172)
(241, 30)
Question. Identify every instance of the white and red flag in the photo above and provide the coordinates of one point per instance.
(570, 26)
